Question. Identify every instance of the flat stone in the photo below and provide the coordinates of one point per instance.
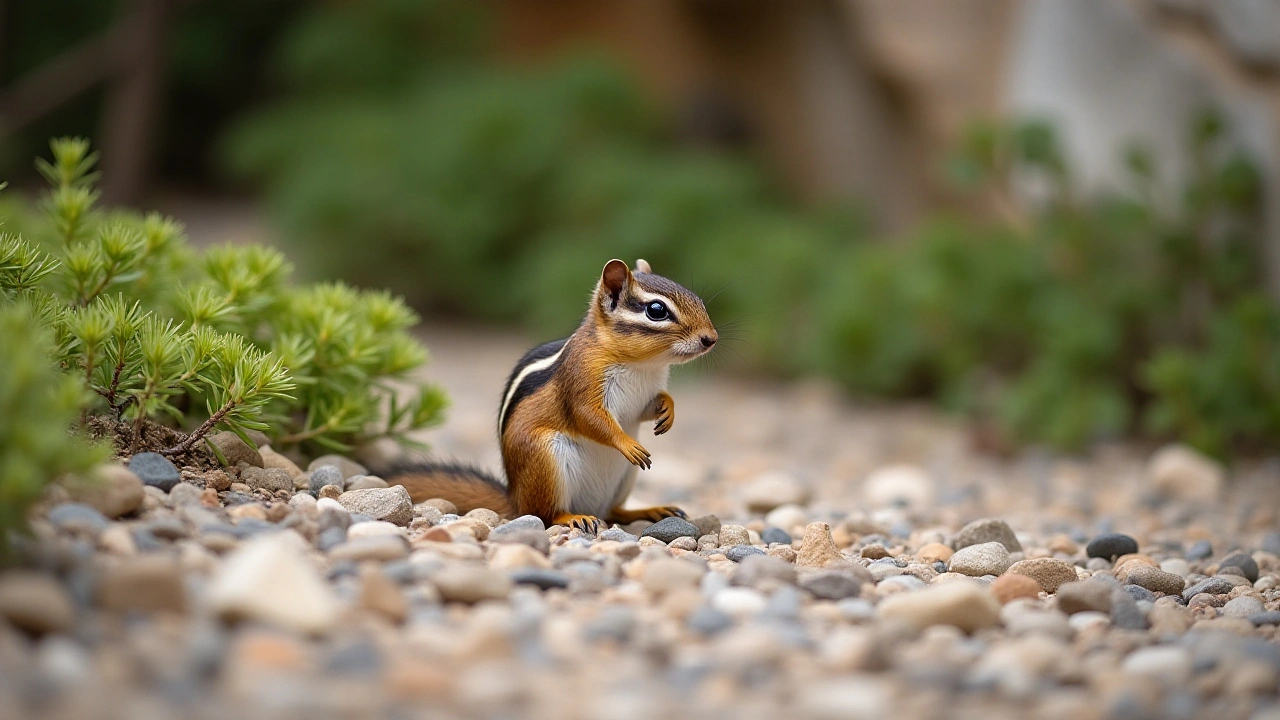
(366, 482)
(524, 523)
(668, 529)
(1201, 550)
(1269, 617)
(515, 556)
(1248, 566)
(831, 585)
(987, 530)
(349, 468)
(272, 479)
(989, 558)
(541, 578)
(1083, 596)
(1169, 665)
(372, 528)
(234, 450)
(380, 594)
(1156, 580)
(111, 489)
(391, 504)
(35, 603)
(1110, 546)
(1048, 572)
(1011, 586)
(773, 535)
(706, 524)
(962, 604)
(268, 580)
(818, 549)
(148, 583)
(155, 470)
(1244, 606)
(738, 553)
(617, 535)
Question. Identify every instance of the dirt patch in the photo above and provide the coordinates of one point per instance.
(154, 438)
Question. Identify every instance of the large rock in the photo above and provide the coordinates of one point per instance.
(1048, 572)
(989, 558)
(35, 603)
(269, 580)
(392, 504)
(112, 490)
(987, 530)
(963, 604)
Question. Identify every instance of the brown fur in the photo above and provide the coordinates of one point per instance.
(572, 402)
(465, 489)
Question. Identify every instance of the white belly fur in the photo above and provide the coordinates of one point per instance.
(596, 478)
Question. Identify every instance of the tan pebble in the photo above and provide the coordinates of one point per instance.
(209, 498)
(436, 534)
(331, 491)
(273, 459)
(118, 540)
(35, 602)
(218, 480)
(842, 537)
(934, 552)
(442, 505)
(149, 583)
(818, 548)
(1010, 586)
(663, 575)
(262, 650)
(277, 512)
(514, 557)
(1048, 572)
(486, 516)
(874, 551)
(380, 594)
(778, 550)
(248, 510)
(477, 528)
(1063, 544)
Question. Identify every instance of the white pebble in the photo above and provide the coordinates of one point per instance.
(739, 601)
(372, 528)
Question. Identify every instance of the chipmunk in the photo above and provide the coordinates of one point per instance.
(571, 409)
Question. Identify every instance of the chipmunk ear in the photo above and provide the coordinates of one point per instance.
(642, 266)
(614, 280)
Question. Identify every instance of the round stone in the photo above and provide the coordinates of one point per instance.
(990, 558)
(1048, 572)
(1110, 546)
(1156, 580)
(987, 530)
(155, 470)
(831, 585)
(1011, 586)
(668, 529)
(738, 553)
(773, 535)
(1248, 566)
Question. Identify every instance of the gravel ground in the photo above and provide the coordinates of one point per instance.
(839, 562)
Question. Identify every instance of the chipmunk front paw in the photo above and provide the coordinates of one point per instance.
(664, 410)
(589, 524)
(636, 454)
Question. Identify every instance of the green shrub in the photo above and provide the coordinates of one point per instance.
(159, 332)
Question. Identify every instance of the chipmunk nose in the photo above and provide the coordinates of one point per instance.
(708, 341)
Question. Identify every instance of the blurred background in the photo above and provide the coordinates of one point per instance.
(1058, 217)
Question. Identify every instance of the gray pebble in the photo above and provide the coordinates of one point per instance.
(1200, 550)
(707, 620)
(184, 493)
(984, 531)
(1271, 543)
(1212, 586)
(146, 541)
(324, 475)
(1270, 617)
(1248, 566)
(331, 537)
(522, 523)
(1125, 613)
(155, 470)
(614, 623)
(773, 535)
(669, 529)
(1243, 606)
(831, 585)
(540, 578)
(618, 535)
(334, 518)
(1111, 546)
(168, 528)
(1139, 593)
(78, 518)
(738, 553)
(360, 658)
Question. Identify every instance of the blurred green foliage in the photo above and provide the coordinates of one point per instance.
(495, 192)
(156, 331)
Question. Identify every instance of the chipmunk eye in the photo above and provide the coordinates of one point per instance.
(657, 310)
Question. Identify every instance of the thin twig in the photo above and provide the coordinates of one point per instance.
(201, 431)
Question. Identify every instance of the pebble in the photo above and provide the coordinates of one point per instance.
(962, 604)
(1269, 617)
(516, 556)
(706, 524)
(617, 535)
(1169, 665)
(1211, 586)
(149, 583)
(788, 517)
(391, 504)
(739, 601)
(1177, 566)
(1248, 566)
(380, 594)
(349, 468)
(466, 583)
(1082, 596)
(1048, 572)
(668, 529)
(268, 580)
(1201, 550)
(1244, 606)
(934, 552)
(1011, 586)
(708, 621)
(543, 579)
(234, 450)
(772, 535)
(1087, 619)
(524, 523)
(380, 548)
(1156, 580)
(989, 558)
(665, 575)
(898, 486)
(731, 535)
(372, 528)
(738, 553)
(1180, 472)
(111, 489)
(78, 518)
(155, 470)
(270, 479)
(273, 459)
(831, 585)
(35, 602)
(818, 549)
(322, 476)
(1110, 546)
(987, 530)
(366, 482)
(184, 493)
(1125, 612)
(771, 490)
(763, 572)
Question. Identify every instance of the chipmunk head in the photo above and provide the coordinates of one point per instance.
(651, 317)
